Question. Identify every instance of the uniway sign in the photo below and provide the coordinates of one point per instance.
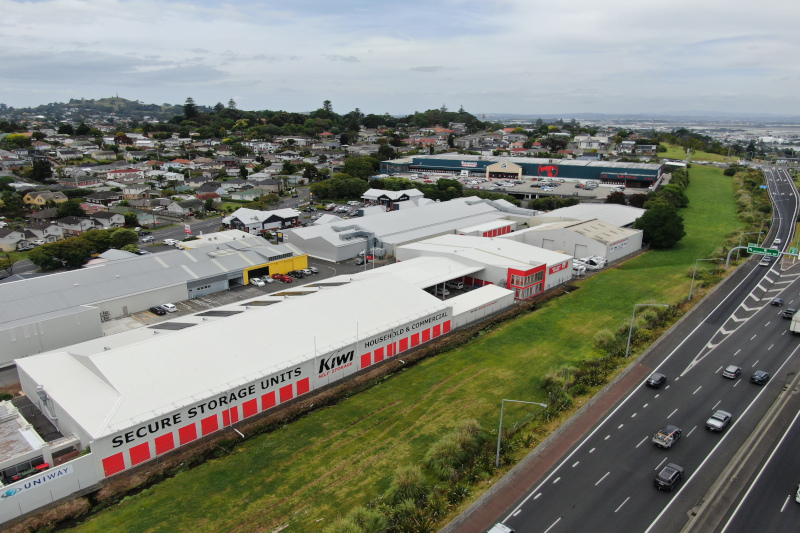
(36, 481)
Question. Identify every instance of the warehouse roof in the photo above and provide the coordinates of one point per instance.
(252, 216)
(374, 194)
(530, 160)
(422, 272)
(594, 229)
(114, 389)
(614, 214)
(488, 226)
(477, 297)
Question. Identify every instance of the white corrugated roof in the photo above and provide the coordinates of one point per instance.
(488, 226)
(594, 229)
(113, 389)
(421, 272)
(374, 194)
(615, 214)
(251, 216)
(477, 297)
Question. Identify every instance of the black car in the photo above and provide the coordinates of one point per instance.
(296, 274)
(788, 313)
(656, 380)
(669, 477)
(144, 232)
(759, 377)
(777, 301)
(157, 311)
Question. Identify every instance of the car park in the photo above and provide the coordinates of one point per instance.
(788, 313)
(149, 238)
(732, 372)
(169, 308)
(777, 301)
(718, 421)
(455, 284)
(257, 282)
(656, 380)
(157, 311)
(441, 291)
(669, 477)
(759, 377)
(667, 436)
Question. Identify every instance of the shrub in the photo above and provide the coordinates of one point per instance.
(408, 484)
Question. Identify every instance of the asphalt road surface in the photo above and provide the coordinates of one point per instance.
(605, 481)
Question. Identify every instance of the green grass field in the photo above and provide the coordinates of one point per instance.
(678, 152)
(319, 467)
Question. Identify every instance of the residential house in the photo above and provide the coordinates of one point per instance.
(248, 195)
(186, 207)
(103, 155)
(105, 197)
(196, 181)
(135, 155)
(10, 239)
(134, 191)
(46, 230)
(67, 154)
(647, 149)
(287, 155)
(125, 174)
(108, 219)
(72, 226)
(211, 186)
(267, 184)
(228, 161)
(588, 142)
(627, 147)
(236, 184)
(43, 215)
(80, 180)
(40, 198)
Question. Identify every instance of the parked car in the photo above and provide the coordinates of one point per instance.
(360, 261)
(718, 421)
(296, 274)
(267, 279)
(307, 271)
(142, 252)
(656, 380)
(257, 282)
(314, 270)
(169, 308)
(170, 242)
(669, 477)
(455, 284)
(759, 377)
(149, 238)
(732, 372)
(159, 208)
(278, 277)
(440, 291)
(287, 279)
(142, 233)
(157, 311)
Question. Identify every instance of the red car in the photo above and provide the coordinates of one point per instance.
(287, 279)
(279, 277)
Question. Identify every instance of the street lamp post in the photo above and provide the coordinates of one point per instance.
(500, 431)
(694, 272)
(630, 331)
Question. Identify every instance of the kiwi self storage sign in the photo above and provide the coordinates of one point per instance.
(147, 440)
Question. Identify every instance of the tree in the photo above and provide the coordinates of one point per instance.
(218, 107)
(7, 264)
(327, 107)
(122, 237)
(358, 167)
(637, 200)
(70, 208)
(12, 204)
(231, 104)
(190, 109)
(41, 170)
(66, 129)
(662, 226)
(208, 205)
(131, 219)
(288, 168)
(18, 140)
(38, 135)
(44, 257)
(616, 198)
(83, 129)
(132, 248)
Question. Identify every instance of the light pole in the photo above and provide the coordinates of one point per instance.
(742, 237)
(764, 220)
(694, 272)
(500, 431)
(630, 331)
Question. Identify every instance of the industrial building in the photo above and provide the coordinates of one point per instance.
(582, 238)
(519, 267)
(622, 216)
(386, 231)
(637, 175)
(47, 312)
(256, 222)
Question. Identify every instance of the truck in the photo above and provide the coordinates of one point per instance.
(794, 326)
(667, 436)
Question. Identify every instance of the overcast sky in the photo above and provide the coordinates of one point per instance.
(503, 56)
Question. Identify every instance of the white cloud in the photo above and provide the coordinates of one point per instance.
(502, 56)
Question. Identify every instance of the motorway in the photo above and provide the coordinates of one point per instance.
(606, 479)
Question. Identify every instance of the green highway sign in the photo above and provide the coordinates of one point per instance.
(793, 251)
(753, 249)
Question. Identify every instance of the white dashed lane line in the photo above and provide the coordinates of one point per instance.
(623, 503)
(661, 463)
(642, 442)
(672, 413)
(698, 388)
(754, 364)
(690, 433)
(601, 479)
(716, 404)
(576, 464)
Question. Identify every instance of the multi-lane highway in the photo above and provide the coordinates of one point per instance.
(606, 480)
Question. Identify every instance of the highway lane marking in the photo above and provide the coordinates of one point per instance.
(553, 525)
(716, 404)
(784, 333)
(645, 405)
(632, 416)
(672, 413)
(688, 434)
(737, 352)
(783, 508)
(576, 464)
(602, 478)
(643, 440)
(754, 364)
(620, 426)
(592, 450)
(770, 347)
(768, 323)
(537, 496)
(607, 436)
(623, 503)
(717, 372)
(661, 463)
(737, 382)
(556, 480)
(754, 336)
(519, 511)
(656, 396)
(698, 388)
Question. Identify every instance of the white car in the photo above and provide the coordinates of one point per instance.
(169, 308)
(149, 238)
(267, 279)
(257, 282)
(170, 242)
(37, 242)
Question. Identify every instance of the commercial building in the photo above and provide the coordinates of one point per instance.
(385, 232)
(48, 312)
(640, 175)
(615, 214)
(394, 200)
(256, 222)
(524, 269)
(582, 238)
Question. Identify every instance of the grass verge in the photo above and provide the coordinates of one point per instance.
(307, 473)
(678, 152)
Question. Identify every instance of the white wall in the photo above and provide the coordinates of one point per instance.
(133, 303)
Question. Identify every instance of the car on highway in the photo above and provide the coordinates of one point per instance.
(656, 380)
(169, 308)
(500, 528)
(776, 241)
(732, 372)
(788, 313)
(765, 262)
(667, 436)
(718, 421)
(797, 494)
(759, 377)
(777, 301)
(157, 311)
(669, 477)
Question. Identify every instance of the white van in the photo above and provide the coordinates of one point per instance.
(501, 528)
(455, 284)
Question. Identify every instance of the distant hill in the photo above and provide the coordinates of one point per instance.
(78, 109)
